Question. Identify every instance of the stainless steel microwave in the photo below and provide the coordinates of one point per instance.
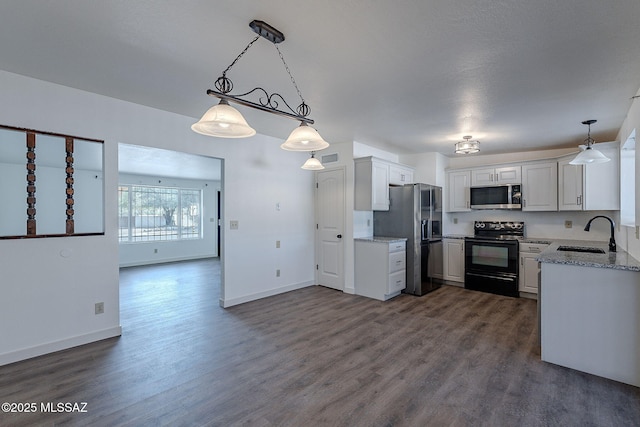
(508, 196)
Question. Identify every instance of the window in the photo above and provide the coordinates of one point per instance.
(149, 213)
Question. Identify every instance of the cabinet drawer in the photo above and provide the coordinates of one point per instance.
(397, 281)
(534, 248)
(397, 246)
(397, 261)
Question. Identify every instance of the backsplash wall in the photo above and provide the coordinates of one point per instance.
(537, 224)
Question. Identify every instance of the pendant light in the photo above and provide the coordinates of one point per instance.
(589, 155)
(304, 138)
(467, 146)
(312, 163)
(225, 121)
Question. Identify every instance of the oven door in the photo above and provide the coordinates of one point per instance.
(491, 256)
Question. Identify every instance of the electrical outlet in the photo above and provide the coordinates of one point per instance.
(568, 224)
(277, 244)
(637, 232)
(233, 225)
(155, 251)
(455, 220)
(99, 307)
(368, 223)
(278, 273)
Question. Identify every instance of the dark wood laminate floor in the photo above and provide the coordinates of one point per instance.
(312, 357)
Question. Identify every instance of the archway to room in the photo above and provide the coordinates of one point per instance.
(168, 212)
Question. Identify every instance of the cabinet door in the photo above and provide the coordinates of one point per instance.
(371, 185)
(569, 185)
(454, 260)
(380, 186)
(483, 176)
(400, 175)
(508, 175)
(458, 191)
(529, 270)
(540, 187)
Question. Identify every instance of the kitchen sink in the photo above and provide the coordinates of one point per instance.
(580, 249)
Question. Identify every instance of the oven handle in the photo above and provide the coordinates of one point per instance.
(486, 276)
(494, 241)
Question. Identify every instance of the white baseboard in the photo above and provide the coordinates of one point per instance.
(225, 303)
(39, 350)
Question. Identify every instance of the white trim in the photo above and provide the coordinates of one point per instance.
(39, 350)
(259, 295)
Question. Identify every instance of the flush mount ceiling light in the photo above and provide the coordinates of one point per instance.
(224, 121)
(312, 163)
(589, 154)
(467, 146)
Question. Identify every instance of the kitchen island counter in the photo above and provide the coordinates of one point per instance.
(589, 311)
(619, 260)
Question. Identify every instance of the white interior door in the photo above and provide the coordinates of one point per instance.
(330, 226)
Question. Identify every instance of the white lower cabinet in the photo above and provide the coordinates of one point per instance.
(529, 267)
(380, 268)
(453, 254)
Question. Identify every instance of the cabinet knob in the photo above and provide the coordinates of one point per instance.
(339, 236)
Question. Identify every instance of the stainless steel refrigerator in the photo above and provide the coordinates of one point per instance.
(415, 212)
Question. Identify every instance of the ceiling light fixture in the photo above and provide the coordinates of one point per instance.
(589, 154)
(224, 121)
(467, 146)
(312, 163)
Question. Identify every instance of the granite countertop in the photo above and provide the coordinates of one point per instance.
(620, 260)
(455, 236)
(381, 239)
(542, 241)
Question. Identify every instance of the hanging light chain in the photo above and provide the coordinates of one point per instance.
(224, 73)
(303, 108)
(223, 83)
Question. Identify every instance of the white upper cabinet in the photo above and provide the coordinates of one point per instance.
(458, 190)
(590, 187)
(400, 174)
(496, 176)
(540, 186)
(372, 179)
(569, 185)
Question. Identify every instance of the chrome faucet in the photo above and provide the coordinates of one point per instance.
(612, 241)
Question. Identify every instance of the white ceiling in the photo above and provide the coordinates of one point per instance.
(416, 75)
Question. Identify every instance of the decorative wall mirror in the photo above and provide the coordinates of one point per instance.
(51, 184)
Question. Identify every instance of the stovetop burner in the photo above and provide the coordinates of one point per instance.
(500, 230)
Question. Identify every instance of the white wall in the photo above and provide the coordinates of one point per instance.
(49, 286)
(630, 238)
(141, 253)
(429, 167)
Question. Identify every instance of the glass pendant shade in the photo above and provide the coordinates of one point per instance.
(312, 163)
(223, 121)
(304, 138)
(467, 147)
(589, 156)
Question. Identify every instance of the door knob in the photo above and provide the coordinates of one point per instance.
(339, 236)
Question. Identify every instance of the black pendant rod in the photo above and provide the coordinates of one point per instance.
(251, 104)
